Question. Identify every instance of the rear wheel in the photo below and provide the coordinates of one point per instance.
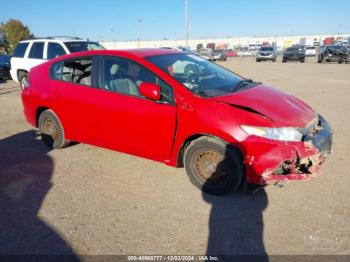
(258, 60)
(302, 60)
(51, 130)
(284, 60)
(213, 166)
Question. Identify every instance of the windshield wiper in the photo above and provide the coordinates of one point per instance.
(200, 92)
(242, 83)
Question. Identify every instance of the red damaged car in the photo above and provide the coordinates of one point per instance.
(179, 109)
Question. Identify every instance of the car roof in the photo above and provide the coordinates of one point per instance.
(144, 52)
(141, 53)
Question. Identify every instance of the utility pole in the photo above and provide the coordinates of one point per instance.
(186, 21)
(140, 32)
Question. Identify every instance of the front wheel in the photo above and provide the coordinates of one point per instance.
(213, 166)
(51, 130)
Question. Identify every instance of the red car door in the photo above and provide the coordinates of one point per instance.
(70, 85)
(127, 121)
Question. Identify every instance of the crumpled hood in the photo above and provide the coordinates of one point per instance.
(281, 108)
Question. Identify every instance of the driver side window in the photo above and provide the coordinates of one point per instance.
(125, 76)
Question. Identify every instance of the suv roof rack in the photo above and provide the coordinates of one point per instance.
(57, 37)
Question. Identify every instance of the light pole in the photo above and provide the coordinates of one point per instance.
(140, 31)
(113, 30)
(186, 21)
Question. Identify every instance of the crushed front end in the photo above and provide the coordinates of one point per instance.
(268, 161)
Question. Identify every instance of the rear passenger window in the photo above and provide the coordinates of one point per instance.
(54, 50)
(37, 50)
(20, 50)
(75, 71)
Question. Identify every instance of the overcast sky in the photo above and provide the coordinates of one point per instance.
(119, 19)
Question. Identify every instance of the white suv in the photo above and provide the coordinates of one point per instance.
(30, 53)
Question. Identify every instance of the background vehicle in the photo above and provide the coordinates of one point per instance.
(230, 53)
(218, 54)
(294, 53)
(30, 53)
(328, 41)
(262, 135)
(266, 53)
(333, 53)
(211, 46)
(5, 66)
(310, 51)
(206, 54)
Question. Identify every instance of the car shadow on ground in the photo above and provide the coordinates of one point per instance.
(236, 225)
(25, 179)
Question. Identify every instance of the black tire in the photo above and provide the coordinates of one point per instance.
(51, 130)
(284, 61)
(213, 166)
(22, 78)
(258, 60)
(302, 60)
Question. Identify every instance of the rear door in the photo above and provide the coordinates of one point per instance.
(72, 97)
(127, 121)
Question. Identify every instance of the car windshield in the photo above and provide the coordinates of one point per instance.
(4, 60)
(337, 48)
(200, 76)
(77, 46)
(292, 49)
(266, 49)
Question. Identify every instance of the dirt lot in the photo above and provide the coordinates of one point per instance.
(89, 200)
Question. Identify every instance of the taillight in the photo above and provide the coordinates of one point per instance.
(26, 83)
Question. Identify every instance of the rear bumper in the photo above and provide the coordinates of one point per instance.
(294, 58)
(269, 161)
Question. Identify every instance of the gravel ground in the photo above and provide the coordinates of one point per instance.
(88, 200)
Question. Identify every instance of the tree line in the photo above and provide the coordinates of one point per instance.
(12, 32)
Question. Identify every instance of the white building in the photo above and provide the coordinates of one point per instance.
(282, 41)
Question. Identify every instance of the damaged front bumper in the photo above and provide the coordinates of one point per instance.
(268, 161)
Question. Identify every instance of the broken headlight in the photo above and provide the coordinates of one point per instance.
(281, 134)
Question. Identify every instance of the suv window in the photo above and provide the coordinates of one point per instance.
(76, 71)
(78, 46)
(54, 50)
(20, 50)
(37, 50)
(125, 76)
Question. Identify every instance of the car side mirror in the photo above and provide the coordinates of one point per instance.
(150, 91)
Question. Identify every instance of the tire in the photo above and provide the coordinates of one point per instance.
(284, 61)
(22, 78)
(51, 130)
(213, 166)
(302, 60)
(258, 60)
